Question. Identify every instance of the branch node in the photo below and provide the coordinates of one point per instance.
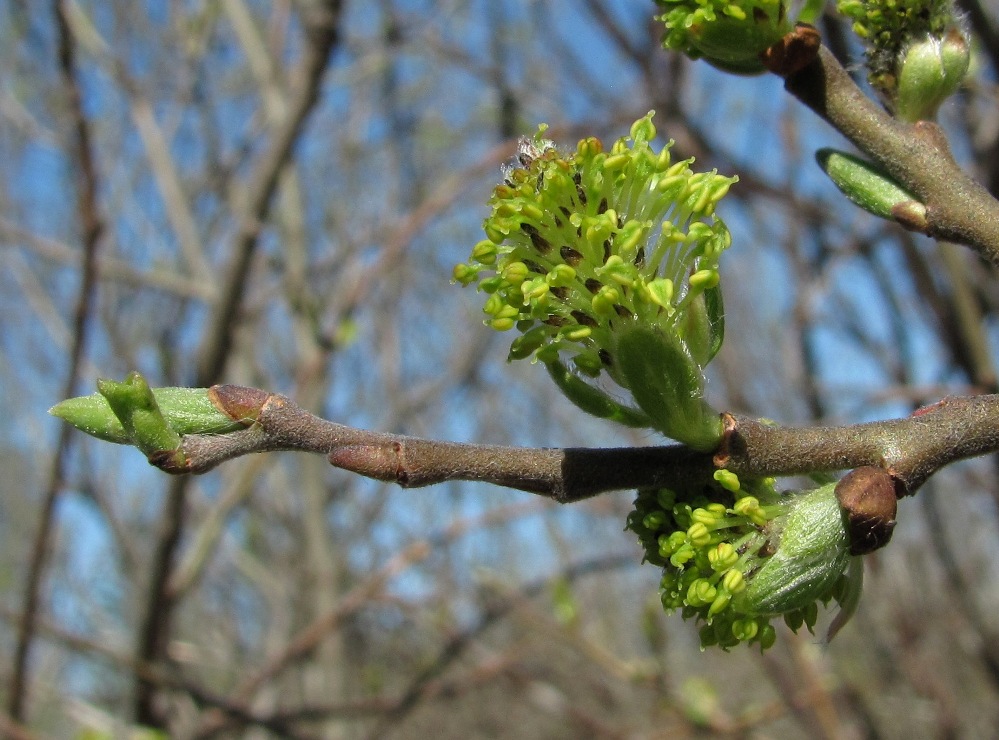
(731, 443)
(931, 133)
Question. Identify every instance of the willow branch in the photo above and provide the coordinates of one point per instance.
(917, 155)
(911, 449)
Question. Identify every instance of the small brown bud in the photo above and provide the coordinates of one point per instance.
(794, 52)
(869, 501)
(238, 402)
(911, 214)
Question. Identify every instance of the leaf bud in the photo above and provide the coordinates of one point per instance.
(869, 187)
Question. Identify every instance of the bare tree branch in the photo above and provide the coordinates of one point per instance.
(910, 449)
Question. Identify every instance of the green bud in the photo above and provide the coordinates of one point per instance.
(515, 273)
(721, 601)
(677, 540)
(484, 252)
(865, 184)
(812, 551)
(729, 35)
(706, 517)
(667, 384)
(683, 554)
(464, 274)
(749, 507)
(722, 557)
(701, 592)
(665, 498)
(655, 520)
(734, 582)
(660, 292)
(495, 232)
(767, 637)
(526, 344)
(185, 411)
(561, 276)
(745, 629)
(698, 534)
(716, 509)
(931, 71)
(727, 480)
(604, 301)
(704, 279)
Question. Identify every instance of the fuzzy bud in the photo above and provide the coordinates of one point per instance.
(873, 190)
(730, 35)
(668, 385)
(931, 70)
(812, 551)
(124, 412)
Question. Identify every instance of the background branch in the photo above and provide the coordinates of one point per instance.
(320, 21)
(90, 226)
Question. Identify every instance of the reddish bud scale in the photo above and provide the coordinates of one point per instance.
(793, 52)
(869, 501)
(238, 402)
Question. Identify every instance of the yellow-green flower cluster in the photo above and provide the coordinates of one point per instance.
(893, 23)
(581, 243)
(918, 51)
(736, 554)
(730, 34)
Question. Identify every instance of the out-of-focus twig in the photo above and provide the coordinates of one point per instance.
(320, 20)
(91, 228)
